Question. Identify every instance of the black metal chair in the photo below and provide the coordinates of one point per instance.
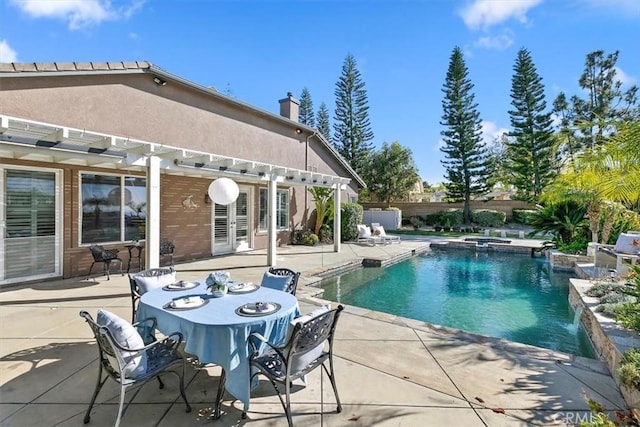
(137, 291)
(106, 257)
(293, 282)
(304, 351)
(166, 249)
(117, 359)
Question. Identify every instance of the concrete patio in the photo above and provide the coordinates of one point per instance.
(390, 371)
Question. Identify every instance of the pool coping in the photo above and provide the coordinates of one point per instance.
(631, 397)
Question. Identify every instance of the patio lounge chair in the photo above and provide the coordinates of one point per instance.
(303, 352)
(366, 236)
(626, 251)
(129, 360)
(378, 230)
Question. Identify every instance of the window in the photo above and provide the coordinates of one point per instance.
(282, 209)
(114, 208)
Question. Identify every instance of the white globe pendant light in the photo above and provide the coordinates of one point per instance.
(223, 191)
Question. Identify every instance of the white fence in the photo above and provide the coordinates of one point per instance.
(390, 220)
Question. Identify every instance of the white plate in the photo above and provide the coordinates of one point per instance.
(242, 288)
(186, 303)
(258, 309)
(180, 286)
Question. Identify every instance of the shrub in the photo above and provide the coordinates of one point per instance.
(616, 298)
(629, 314)
(433, 219)
(578, 246)
(601, 289)
(523, 216)
(351, 217)
(608, 310)
(452, 217)
(415, 221)
(309, 238)
(326, 233)
(565, 220)
(629, 370)
(488, 217)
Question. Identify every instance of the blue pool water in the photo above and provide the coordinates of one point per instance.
(509, 296)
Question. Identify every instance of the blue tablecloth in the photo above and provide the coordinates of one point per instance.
(216, 334)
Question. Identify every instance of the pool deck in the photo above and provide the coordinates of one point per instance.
(390, 371)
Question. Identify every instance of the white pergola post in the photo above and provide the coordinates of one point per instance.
(337, 227)
(152, 246)
(271, 220)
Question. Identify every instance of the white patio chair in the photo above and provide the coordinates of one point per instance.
(378, 231)
(626, 251)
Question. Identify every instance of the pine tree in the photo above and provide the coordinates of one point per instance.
(322, 119)
(465, 154)
(606, 105)
(530, 150)
(306, 116)
(352, 129)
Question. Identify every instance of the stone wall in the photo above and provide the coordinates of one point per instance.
(566, 262)
(609, 339)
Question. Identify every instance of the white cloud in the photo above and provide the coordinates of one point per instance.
(491, 131)
(624, 78)
(486, 13)
(78, 13)
(6, 53)
(499, 42)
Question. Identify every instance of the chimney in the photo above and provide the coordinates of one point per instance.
(290, 107)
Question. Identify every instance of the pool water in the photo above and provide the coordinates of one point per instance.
(509, 296)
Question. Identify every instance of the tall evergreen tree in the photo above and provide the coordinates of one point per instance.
(352, 130)
(606, 104)
(322, 119)
(465, 154)
(530, 151)
(306, 116)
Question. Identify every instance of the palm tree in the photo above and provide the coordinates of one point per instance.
(323, 198)
(607, 173)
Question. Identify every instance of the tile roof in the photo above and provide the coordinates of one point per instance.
(30, 67)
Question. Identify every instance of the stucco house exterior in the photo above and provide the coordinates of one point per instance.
(111, 153)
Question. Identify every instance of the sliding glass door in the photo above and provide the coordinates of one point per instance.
(30, 223)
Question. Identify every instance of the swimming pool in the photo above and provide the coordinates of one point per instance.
(509, 296)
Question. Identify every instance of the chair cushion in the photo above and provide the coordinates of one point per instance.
(275, 281)
(127, 336)
(299, 361)
(628, 244)
(147, 283)
(364, 231)
(378, 230)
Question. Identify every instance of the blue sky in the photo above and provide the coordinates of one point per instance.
(257, 51)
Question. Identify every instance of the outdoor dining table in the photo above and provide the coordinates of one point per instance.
(216, 333)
